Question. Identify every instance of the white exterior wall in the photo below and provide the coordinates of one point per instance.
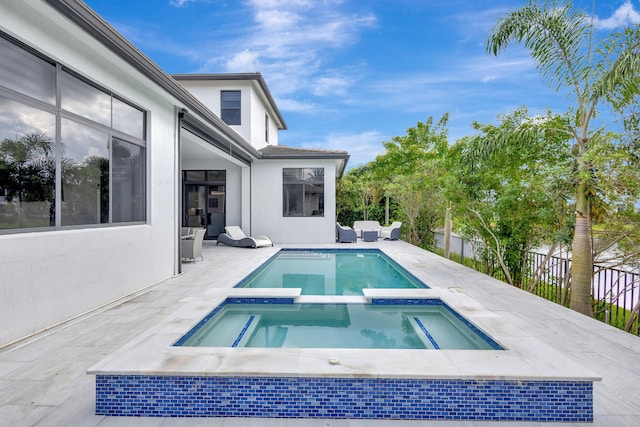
(48, 277)
(258, 135)
(208, 92)
(252, 109)
(266, 204)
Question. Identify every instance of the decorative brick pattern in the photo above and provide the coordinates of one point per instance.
(368, 398)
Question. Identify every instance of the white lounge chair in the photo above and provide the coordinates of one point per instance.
(391, 232)
(234, 236)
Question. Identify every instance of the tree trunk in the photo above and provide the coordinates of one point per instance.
(447, 232)
(581, 257)
(386, 210)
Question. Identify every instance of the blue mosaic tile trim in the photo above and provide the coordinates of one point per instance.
(406, 301)
(193, 330)
(395, 264)
(365, 398)
(494, 345)
(260, 300)
(244, 331)
(215, 311)
(334, 250)
(437, 301)
(428, 335)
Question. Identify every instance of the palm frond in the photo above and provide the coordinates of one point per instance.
(555, 35)
(621, 81)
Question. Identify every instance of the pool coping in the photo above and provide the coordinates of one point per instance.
(524, 358)
(527, 381)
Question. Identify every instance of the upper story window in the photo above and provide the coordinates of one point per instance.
(302, 192)
(230, 106)
(266, 128)
(79, 165)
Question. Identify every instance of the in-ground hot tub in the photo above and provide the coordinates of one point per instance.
(524, 380)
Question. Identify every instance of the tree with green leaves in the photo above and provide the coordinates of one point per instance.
(410, 171)
(560, 41)
(502, 196)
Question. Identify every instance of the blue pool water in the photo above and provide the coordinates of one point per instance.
(331, 272)
(431, 325)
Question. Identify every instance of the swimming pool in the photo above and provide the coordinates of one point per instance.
(428, 325)
(331, 272)
(527, 381)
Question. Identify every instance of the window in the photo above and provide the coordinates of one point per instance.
(302, 192)
(82, 165)
(128, 181)
(230, 106)
(266, 128)
(27, 166)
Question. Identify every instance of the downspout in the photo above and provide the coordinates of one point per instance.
(178, 201)
(250, 198)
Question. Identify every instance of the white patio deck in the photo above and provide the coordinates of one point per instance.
(43, 380)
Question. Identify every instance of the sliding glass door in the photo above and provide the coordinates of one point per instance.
(203, 206)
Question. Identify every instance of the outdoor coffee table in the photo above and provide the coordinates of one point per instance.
(369, 235)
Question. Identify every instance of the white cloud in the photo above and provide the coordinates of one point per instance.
(288, 104)
(180, 3)
(325, 86)
(294, 40)
(624, 16)
(277, 19)
(245, 61)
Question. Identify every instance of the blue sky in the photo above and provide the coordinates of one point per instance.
(350, 74)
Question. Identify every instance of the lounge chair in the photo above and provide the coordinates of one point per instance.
(234, 236)
(391, 232)
(346, 234)
(192, 245)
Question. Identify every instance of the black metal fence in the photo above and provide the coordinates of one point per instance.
(616, 291)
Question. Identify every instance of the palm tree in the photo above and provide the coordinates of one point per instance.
(560, 42)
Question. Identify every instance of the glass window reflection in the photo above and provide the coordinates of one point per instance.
(85, 175)
(79, 174)
(85, 100)
(128, 181)
(128, 119)
(27, 166)
(302, 192)
(27, 74)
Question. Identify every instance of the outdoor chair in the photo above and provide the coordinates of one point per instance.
(391, 232)
(192, 245)
(234, 236)
(360, 226)
(346, 234)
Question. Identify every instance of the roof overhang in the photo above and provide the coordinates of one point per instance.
(81, 15)
(282, 152)
(255, 78)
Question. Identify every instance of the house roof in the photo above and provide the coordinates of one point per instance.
(81, 15)
(253, 77)
(286, 152)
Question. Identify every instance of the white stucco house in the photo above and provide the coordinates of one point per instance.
(104, 157)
